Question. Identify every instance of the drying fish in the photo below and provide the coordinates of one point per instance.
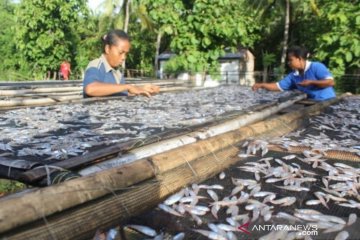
(174, 198)
(232, 221)
(216, 186)
(289, 157)
(294, 188)
(352, 219)
(215, 228)
(144, 230)
(179, 236)
(222, 175)
(214, 210)
(210, 235)
(335, 228)
(287, 216)
(286, 201)
(213, 195)
(313, 202)
(343, 235)
(169, 210)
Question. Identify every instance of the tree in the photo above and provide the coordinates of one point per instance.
(276, 14)
(165, 15)
(45, 31)
(201, 31)
(7, 38)
(338, 41)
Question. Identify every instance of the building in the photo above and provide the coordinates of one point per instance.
(234, 68)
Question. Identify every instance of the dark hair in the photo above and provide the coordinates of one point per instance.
(299, 52)
(113, 36)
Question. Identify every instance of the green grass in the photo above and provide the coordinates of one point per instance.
(9, 186)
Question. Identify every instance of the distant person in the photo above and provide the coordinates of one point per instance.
(65, 70)
(312, 78)
(103, 77)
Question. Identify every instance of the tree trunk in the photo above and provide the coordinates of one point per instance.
(158, 43)
(265, 74)
(127, 15)
(286, 33)
(126, 23)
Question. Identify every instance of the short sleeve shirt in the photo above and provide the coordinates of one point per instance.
(99, 70)
(313, 71)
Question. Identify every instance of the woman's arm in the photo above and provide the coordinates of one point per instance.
(100, 89)
(318, 83)
(267, 86)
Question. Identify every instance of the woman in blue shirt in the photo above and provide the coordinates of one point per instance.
(103, 77)
(312, 78)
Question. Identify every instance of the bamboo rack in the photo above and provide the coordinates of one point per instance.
(91, 206)
(102, 156)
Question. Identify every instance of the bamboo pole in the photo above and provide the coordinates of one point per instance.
(46, 201)
(38, 90)
(39, 101)
(52, 100)
(44, 94)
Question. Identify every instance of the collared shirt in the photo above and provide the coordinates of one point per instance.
(99, 70)
(313, 71)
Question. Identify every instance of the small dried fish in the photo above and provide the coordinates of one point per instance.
(144, 230)
(210, 234)
(343, 235)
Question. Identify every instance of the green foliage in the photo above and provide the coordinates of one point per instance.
(112, 16)
(37, 35)
(201, 31)
(339, 39)
(142, 52)
(7, 42)
(8, 186)
(45, 32)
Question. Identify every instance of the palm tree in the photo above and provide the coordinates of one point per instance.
(117, 15)
(264, 9)
(112, 16)
(286, 33)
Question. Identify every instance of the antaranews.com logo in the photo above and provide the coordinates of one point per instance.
(303, 230)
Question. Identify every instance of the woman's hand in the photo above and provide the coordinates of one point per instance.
(305, 83)
(133, 91)
(152, 89)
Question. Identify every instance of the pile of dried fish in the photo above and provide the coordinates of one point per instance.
(63, 131)
(253, 203)
(339, 129)
(281, 197)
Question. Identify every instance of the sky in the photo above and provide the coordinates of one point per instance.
(93, 4)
